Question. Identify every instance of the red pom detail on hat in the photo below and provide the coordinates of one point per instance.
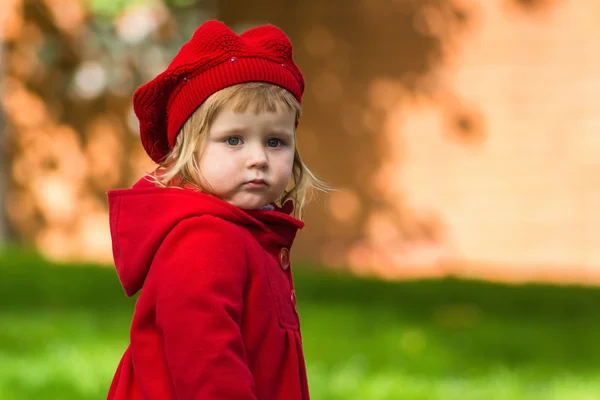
(213, 59)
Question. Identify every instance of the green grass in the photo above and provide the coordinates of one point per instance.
(63, 330)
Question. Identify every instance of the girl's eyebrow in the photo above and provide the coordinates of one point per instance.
(282, 132)
(230, 131)
(242, 131)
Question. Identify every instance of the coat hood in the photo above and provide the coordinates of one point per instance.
(142, 216)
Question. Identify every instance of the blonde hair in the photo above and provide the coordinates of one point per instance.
(181, 166)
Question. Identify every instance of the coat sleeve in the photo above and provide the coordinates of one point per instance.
(199, 308)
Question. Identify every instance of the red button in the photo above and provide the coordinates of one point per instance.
(293, 299)
(284, 258)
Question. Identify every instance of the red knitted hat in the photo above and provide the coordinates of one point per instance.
(213, 59)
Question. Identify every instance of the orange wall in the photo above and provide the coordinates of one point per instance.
(462, 136)
(492, 167)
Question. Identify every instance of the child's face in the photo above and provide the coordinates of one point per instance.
(247, 158)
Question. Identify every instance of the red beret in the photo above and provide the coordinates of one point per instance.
(213, 59)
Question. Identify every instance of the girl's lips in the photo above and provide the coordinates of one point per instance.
(255, 184)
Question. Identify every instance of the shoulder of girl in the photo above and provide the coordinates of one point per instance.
(209, 229)
(199, 250)
(200, 242)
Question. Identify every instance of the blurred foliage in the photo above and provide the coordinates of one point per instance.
(65, 328)
(72, 67)
(112, 8)
(71, 72)
(72, 134)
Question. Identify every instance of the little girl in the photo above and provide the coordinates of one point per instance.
(207, 236)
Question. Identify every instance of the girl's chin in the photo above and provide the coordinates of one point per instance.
(252, 202)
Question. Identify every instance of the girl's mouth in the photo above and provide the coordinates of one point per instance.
(256, 184)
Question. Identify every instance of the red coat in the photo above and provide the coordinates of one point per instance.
(216, 318)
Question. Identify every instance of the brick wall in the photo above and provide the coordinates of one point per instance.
(462, 135)
(501, 152)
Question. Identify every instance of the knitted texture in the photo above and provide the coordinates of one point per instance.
(213, 59)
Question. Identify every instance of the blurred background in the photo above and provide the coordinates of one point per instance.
(459, 257)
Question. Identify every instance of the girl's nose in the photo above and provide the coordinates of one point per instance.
(258, 157)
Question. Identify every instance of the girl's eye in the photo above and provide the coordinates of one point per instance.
(274, 142)
(233, 141)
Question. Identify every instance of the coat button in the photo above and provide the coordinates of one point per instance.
(293, 299)
(284, 258)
